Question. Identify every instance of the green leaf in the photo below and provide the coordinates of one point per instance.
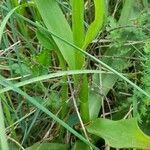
(48, 146)
(120, 134)
(79, 145)
(97, 24)
(56, 23)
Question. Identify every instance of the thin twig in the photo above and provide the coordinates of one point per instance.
(77, 111)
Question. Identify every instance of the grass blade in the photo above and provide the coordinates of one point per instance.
(50, 76)
(6, 83)
(89, 55)
(3, 139)
(4, 22)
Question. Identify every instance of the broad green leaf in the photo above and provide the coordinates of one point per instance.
(79, 145)
(56, 23)
(97, 24)
(120, 134)
(48, 146)
(73, 120)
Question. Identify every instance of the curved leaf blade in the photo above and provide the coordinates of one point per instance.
(98, 22)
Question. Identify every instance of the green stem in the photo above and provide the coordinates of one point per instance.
(78, 29)
(83, 96)
(78, 38)
(64, 96)
(64, 87)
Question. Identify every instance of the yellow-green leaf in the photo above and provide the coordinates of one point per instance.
(97, 24)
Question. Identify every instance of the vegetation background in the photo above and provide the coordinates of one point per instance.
(74, 74)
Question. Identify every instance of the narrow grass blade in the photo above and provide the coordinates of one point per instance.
(50, 76)
(33, 101)
(3, 139)
(4, 22)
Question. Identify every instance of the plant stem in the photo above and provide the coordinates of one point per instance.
(78, 38)
(64, 87)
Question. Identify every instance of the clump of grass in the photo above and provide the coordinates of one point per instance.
(47, 48)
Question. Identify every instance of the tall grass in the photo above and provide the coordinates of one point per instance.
(48, 48)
